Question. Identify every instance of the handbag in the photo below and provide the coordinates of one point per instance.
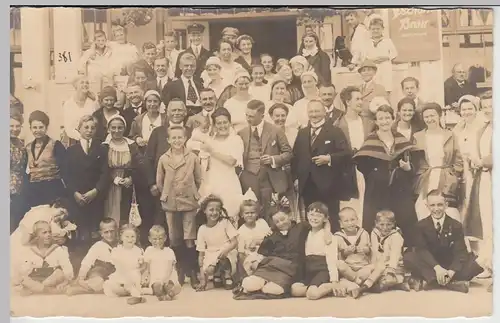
(134, 216)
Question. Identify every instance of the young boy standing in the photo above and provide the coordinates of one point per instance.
(178, 179)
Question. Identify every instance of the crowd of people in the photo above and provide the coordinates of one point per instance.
(240, 172)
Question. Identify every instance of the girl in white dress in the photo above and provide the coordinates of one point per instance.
(258, 89)
(267, 61)
(237, 105)
(381, 51)
(225, 148)
(128, 260)
(216, 243)
(309, 82)
(212, 77)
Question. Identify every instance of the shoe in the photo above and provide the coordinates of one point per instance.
(458, 286)
(404, 286)
(181, 275)
(415, 284)
(429, 285)
(135, 300)
(169, 290)
(484, 275)
(158, 290)
(193, 279)
(238, 290)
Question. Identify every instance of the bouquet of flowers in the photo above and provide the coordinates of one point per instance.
(136, 17)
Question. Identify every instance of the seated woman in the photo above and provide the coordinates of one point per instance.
(44, 267)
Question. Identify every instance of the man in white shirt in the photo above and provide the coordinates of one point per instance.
(440, 258)
(411, 86)
(360, 37)
(327, 94)
(208, 101)
(161, 69)
(171, 53)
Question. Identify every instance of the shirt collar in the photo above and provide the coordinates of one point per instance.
(317, 125)
(259, 127)
(171, 124)
(330, 109)
(205, 113)
(440, 221)
(185, 80)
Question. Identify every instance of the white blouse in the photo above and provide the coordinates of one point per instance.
(262, 93)
(73, 113)
(356, 132)
(148, 126)
(384, 70)
(435, 155)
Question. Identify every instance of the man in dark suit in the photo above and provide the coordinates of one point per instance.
(411, 86)
(440, 257)
(318, 151)
(134, 105)
(186, 87)
(327, 95)
(161, 69)
(195, 34)
(266, 151)
(147, 62)
(457, 86)
(208, 100)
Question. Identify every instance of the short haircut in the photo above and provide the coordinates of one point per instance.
(206, 89)
(410, 79)
(221, 112)
(86, 118)
(140, 70)
(225, 41)
(17, 116)
(351, 13)
(158, 229)
(107, 220)
(99, 33)
(169, 34)
(170, 129)
(256, 105)
(435, 193)
(406, 100)
(41, 116)
(455, 67)
(249, 203)
(148, 45)
(386, 108)
(160, 57)
(377, 22)
(133, 84)
(278, 106)
(318, 207)
(257, 65)
(177, 100)
(266, 54)
(186, 56)
(433, 106)
(314, 101)
(326, 85)
(385, 214)
(346, 94)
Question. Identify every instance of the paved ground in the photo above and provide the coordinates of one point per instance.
(219, 303)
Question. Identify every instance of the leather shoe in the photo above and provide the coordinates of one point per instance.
(458, 286)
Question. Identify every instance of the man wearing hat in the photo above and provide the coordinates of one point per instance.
(231, 34)
(369, 89)
(195, 35)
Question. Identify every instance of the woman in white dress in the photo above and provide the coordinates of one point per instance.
(381, 51)
(237, 105)
(309, 82)
(124, 53)
(213, 79)
(268, 62)
(82, 102)
(228, 66)
(258, 89)
(225, 148)
(278, 95)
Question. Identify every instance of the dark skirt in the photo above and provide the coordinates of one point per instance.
(101, 269)
(41, 274)
(45, 192)
(18, 208)
(316, 271)
(277, 270)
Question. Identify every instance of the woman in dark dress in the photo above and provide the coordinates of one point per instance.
(245, 43)
(107, 100)
(317, 58)
(45, 163)
(384, 162)
(18, 160)
(406, 120)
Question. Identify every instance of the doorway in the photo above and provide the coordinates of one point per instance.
(273, 35)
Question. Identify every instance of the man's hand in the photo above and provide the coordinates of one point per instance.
(90, 195)
(405, 165)
(266, 160)
(441, 275)
(141, 142)
(79, 198)
(154, 190)
(321, 160)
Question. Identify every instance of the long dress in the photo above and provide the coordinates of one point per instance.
(221, 179)
(18, 161)
(387, 186)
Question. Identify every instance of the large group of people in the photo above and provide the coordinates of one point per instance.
(241, 172)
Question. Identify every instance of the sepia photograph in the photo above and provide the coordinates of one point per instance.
(217, 162)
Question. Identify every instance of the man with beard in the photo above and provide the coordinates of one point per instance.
(134, 105)
(411, 87)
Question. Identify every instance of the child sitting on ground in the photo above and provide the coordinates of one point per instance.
(387, 252)
(161, 262)
(43, 266)
(128, 260)
(354, 250)
(216, 243)
(320, 275)
(97, 265)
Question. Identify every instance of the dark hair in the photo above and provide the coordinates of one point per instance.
(376, 22)
(278, 106)
(351, 13)
(148, 45)
(256, 105)
(58, 202)
(326, 85)
(222, 41)
(276, 82)
(241, 38)
(107, 220)
(201, 217)
(433, 106)
(99, 33)
(17, 116)
(410, 79)
(435, 192)
(206, 89)
(169, 129)
(318, 207)
(221, 112)
(312, 35)
(346, 94)
(406, 100)
(386, 108)
(41, 116)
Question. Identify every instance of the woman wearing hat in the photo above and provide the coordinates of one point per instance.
(124, 53)
(107, 100)
(128, 168)
(81, 103)
(309, 81)
(245, 43)
(18, 160)
(317, 58)
(213, 79)
(46, 160)
(284, 72)
(237, 105)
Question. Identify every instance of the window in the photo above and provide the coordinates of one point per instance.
(15, 29)
(93, 20)
(475, 17)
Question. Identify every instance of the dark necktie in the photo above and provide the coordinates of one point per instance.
(256, 134)
(191, 92)
(159, 84)
(314, 133)
(438, 228)
(88, 147)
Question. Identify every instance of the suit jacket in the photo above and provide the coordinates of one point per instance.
(447, 250)
(453, 92)
(196, 120)
(275, 144)
(158, 145)
(201, 60)
(136, 127)
(334, 116)
(369, 92)
(175, 89)
(84, 172)
(129, 114)
(349, 182)
(330, 141)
